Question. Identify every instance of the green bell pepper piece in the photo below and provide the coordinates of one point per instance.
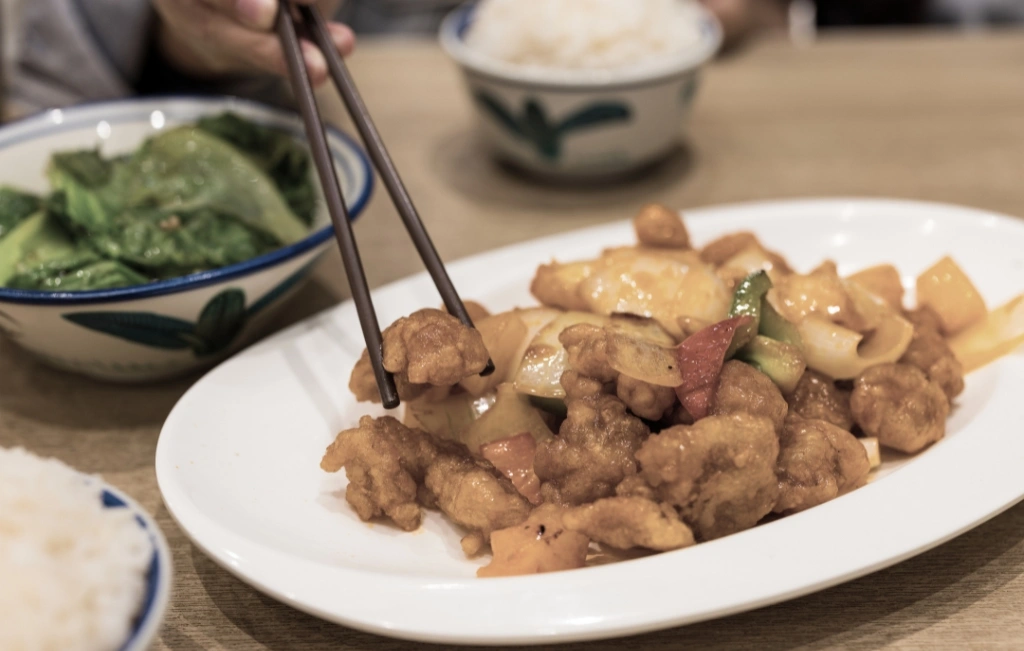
(746, 301)
(784, 363)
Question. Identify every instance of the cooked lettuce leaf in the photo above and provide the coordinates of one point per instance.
(34, 240)
(180, 170)
(39, 254)
(80, 270)
(180, 244)
(187, 200)
(281, 157)
(15, 207)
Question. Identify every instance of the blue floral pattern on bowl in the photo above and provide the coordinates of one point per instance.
(534, 126)
(218, 326)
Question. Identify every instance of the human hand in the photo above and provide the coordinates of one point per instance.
(215, 38)
(734, 15)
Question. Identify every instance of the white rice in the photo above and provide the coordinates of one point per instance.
(583, 34)
(72, 573)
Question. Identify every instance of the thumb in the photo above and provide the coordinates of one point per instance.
(254, 14)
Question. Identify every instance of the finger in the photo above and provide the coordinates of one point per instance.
(316, 65)
(342, 37)
(254, 14)
(253, 50)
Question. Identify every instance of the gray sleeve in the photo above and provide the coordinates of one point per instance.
(74, 51)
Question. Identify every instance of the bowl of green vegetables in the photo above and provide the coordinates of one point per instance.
(144, 239)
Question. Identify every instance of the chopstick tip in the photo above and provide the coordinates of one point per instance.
(489, 369)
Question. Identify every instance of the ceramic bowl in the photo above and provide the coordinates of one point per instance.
(157, 594)
(581, 123)
(170, 327)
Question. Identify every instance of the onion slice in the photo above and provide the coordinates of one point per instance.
(843, 354)
(999, 333)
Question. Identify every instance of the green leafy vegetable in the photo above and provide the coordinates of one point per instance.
(40, 255)
(34, 241)
(15, 207)
(181, 170)
(176, 245)
(190, 199)
(87, 167)
(274, 151)
(83, 270)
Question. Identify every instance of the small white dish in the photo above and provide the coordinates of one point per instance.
(157, 593)
(582, 124)
(237, 460)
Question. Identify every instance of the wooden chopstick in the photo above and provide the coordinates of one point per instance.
(335, 203)
(316, 27)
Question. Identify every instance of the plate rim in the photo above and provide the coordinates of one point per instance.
(147, 623)
(599, 631)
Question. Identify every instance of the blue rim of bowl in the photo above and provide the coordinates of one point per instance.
(158, 574)
(452, 37)
(203, 278)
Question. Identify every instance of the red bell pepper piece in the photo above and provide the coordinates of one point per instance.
(701, 357)
(513, 457)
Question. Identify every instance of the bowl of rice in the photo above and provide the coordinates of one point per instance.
(82, 566)
(582, 88)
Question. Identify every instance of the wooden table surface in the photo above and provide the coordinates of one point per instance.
(923, 116)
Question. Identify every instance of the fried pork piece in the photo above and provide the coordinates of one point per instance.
(636, 486)
(660, 227)
(592, 453)
(540, 544)
(742, 389)
(557, 285)
(393, 469)
(817, 462)
(476, 311)
(664, 284)
(660, 283)
(578, 386)
(587, 346)
(644, 399)
(385, 462)
(719, 472)
(929, 352)
(433, 347)
(924, 317)
(741, 249)
(428, 348)
(821, 293)
(471, 493)
(899, 405)
(719, 251)
(817, 396)
(630, 522)
(363, 384)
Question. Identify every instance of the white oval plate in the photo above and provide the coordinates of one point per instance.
(237, 459)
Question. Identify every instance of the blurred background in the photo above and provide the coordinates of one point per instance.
(744, 20)
(375, 16)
